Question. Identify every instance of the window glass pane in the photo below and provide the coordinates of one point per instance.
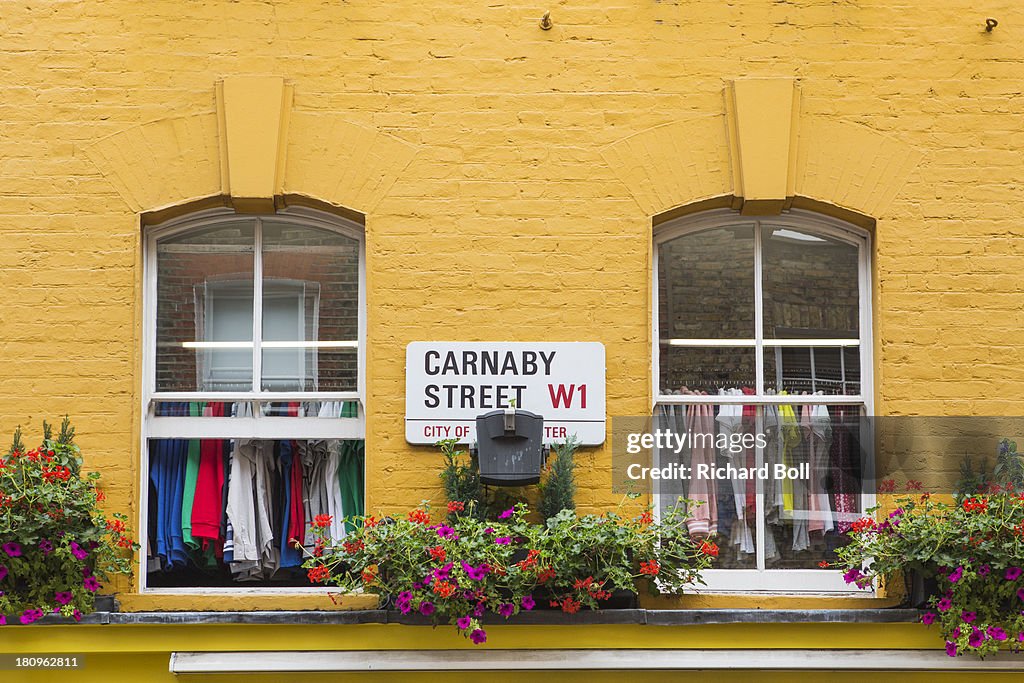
(808, 514)
(204, 309)
(810, 286)
(728, 506)
(708, 370)
(809, 370)
(706, 285)
(310, 309)
(223, 512)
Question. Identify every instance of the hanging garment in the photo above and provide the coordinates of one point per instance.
(289, 555)
(818, 431)
(241, 509)
(208, 505)
(315, 457)
(351, 466)
(700, 422)
(730, 421)
(844, 470)
(195, 409)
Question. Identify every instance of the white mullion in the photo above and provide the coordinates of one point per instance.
(257, 308)
(758, 314)
(759, 525)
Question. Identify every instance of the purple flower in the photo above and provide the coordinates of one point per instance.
(996, 633)
(489, 530)
(464, 622)
(506, 609)
(3, 572)
(507, 513)
(950, 649)
(1020, 593)
(445, 531)
(404, 596)
(443, 573)
(478, 636)
(426, 608)
(956, 632)
(30, 615)
(968, 617)
(76, 615)
(503, 540)
(1020, 637)
(976, 638)
(12, 550)
(63, 597)
(404, 607)
(45, 546)
(77, 551)
(1012, 573)
(984, 570)
(928, 618)
(527, 602)
(475, 573)
(957, 574)
(478, 611)
(852, 575)
(91, 583)
(944, 604)
(3, 620)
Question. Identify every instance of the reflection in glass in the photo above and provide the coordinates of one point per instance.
(706, 369)
(811, 288)
(204, 309)
(812, 370)
(706, 285)
(310, 309)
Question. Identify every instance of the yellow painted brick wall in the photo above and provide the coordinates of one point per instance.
(522, 181)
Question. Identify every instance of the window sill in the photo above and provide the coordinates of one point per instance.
(684, 617)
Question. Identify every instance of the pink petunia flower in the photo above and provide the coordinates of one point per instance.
(976, 638)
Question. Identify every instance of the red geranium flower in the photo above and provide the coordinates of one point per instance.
(650, 568)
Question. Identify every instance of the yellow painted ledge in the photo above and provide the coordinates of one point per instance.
(244, 603)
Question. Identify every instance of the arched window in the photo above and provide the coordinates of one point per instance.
(253, 393)
(763, 329)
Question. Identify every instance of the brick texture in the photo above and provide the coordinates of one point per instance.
(509, 177)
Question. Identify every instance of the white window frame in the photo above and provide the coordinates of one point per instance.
(762, 580)
(259, 426)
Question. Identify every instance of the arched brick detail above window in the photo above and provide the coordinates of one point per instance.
(836, 163)
(275, 150)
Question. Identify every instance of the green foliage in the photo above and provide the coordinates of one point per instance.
(1006, 471)
(55, 544)
(461, 477)
(976, 548)
(455, 572)
(558, 487)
